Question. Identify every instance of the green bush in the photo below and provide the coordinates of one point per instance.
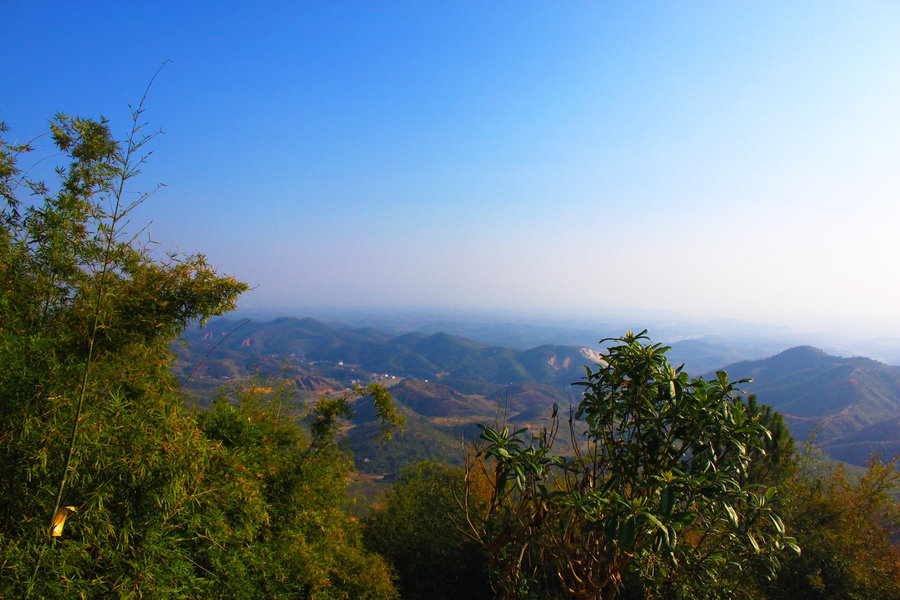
(848, 529)
(660, 495)
(420, 530)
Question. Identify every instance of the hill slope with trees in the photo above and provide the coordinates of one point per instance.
(851, 403)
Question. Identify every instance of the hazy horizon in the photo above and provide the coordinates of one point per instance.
(860, 338)
(708, 161)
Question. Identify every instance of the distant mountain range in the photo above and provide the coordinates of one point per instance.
(852, 403)
(446, 383)
(411, 355)
(443, 384)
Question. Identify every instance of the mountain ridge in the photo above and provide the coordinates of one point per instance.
(445, 381)
(835, 398)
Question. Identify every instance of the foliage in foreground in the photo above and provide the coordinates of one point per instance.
(659, 498)
(849, 531)
(420, 529)
(243, 502)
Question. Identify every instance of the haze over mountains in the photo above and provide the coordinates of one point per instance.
(715, 342)
(446, 383)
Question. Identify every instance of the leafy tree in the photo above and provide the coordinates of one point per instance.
(848, 530)
(776, 460)
(241, 503)
(291, 536)
(86, 319)
(659, 495)
(420, 530)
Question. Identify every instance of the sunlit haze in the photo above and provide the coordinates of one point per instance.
(726, 160)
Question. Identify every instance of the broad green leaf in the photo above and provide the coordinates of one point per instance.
(732, 515)
(657, 524)
(777, 522)
(671, 538)
(667, 501)
(627, 533)
(792, 544)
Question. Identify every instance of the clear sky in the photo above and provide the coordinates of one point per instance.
(727, 159)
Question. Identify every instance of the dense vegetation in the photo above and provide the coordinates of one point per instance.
(662, 491)
(720, 511)
(419, 530)
(243, 501)
(110, 488)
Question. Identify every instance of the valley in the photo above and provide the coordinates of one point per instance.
(444, 384)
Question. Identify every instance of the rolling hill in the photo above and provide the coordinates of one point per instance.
(853, 403)
(307, 342)
(444, 384)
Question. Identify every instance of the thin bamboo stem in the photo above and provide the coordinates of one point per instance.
(124, 174)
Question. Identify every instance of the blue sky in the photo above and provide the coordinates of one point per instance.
(726, 159)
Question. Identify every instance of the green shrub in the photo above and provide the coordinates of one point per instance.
(660, 494)
(420, 529)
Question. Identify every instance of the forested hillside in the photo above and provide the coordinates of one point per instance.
(449, 383)
(850, 404)
(308, 342)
